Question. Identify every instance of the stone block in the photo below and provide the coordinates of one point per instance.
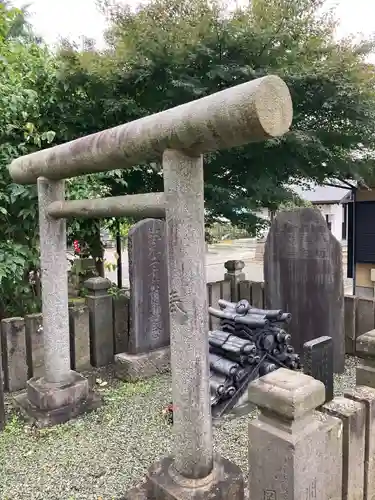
(287, 393)
(318, 362)
(45, 404)
(365, 344)
(365, 317)
(79, 326)
(289, 443)
(163, 483)
(121, 305)
(366, 396)
(365, 373)
(48, 418)
(332, 431)
(132, 367)
(50, 395)
(35, 345)
(353, 416)
(350, 309)
(13, 340)
(99, 303)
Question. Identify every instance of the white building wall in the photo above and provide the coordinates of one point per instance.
(335, 217)
(334, 212)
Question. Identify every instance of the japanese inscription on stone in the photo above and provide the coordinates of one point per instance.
(318, 362)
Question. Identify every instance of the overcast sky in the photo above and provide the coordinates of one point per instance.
(72, 18)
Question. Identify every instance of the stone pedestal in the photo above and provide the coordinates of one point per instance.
(163, 483)
(235, 275)
(132, 367)
(52, 403)
(289, 443)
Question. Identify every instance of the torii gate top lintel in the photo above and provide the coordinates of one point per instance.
(254, 111)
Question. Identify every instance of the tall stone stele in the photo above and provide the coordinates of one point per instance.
(303, 275)
(148, 350)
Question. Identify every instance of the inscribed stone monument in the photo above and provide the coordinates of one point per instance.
(303, 275)
(148, 277)
(318, 362)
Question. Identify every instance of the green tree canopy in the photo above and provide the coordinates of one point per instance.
(172, 51)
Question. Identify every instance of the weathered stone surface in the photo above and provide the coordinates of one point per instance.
(303, 275)
(234, 275)
(353, 416)
(350, 309)
(365, 317)
(50, 396)
(132, 367)
(365, 373)
(99, 303)
(289, 443)
(35, 345)
(287, 393)
(47, 418)
(257, 294)
(214, 295)
(318, 362)
(183, 185)
(139, 206)
(79, 323)
(148, 277)
(259, 109)
(332, 465)
(365, 344)
(365, 347)
(366, 396)
(54, 266)
(2, 403)
(121, 309)
(13, 341)
(225, 482)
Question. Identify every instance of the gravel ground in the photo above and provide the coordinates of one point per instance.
(101, 455)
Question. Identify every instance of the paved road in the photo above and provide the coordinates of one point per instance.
(215, 258)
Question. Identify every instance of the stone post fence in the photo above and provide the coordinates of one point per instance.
(303, 448)
(93, 343)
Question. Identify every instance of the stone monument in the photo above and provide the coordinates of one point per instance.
(149, 337)
(303, 275)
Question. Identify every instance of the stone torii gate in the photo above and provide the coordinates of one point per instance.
(250, 112)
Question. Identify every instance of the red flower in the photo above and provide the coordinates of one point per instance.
(77, 248)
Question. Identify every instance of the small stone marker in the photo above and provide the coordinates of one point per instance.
(318, 362)
(303, 275)
(148, 277)
(289, 442)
